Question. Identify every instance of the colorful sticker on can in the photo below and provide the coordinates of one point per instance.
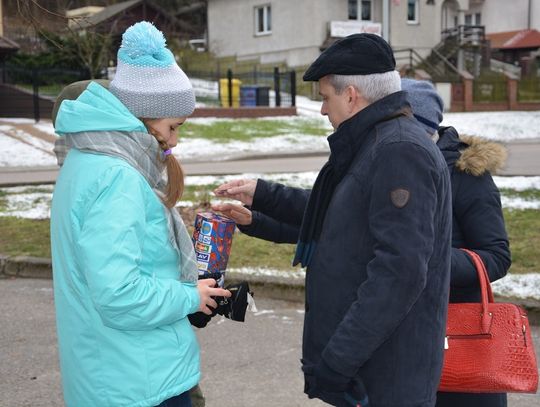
(202, 248)
(202, 256)
(206, 228)
(205, 239)
(202, 267)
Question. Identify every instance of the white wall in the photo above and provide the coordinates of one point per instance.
(423, 35)
(299, 28)
(509, 15)
(444, 90)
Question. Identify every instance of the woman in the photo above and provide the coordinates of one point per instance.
(477, 221)
(478, 224)
(125, 275)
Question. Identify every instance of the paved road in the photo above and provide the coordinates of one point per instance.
(255, 363)
(523, 159)
(12, 176)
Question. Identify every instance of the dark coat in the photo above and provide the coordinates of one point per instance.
(478, 224)
(377, 285)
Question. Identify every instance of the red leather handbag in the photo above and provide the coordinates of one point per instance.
(488, 346)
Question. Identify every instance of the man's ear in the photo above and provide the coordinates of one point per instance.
(355, 99)
(352, 96)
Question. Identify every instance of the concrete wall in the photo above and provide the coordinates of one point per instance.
(298, 29)
(16, 102)
(421, 36)
(515, 14)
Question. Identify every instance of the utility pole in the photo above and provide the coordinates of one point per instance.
(528, 15)
(1, 19)
(386, 20)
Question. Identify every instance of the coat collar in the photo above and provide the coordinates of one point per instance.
(96, 109)
(350, 137)
(450, 145)
(473, 155)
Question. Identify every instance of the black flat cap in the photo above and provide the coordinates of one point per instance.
(357, 54)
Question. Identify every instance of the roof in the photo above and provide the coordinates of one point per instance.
(106, 13)
(8, 45)
(515, 39)
(118, 8)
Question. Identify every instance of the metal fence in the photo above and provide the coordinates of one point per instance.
(490, 90)
(529, 90)
(31, 92)
(245, 89)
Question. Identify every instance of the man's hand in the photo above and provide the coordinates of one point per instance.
(207, 289)
(330, 380)
(240, 214)
(242, 190)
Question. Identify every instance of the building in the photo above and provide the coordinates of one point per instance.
(76, 15)
(520, 49)
(295, 32)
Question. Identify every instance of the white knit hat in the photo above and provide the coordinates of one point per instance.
(148, 80)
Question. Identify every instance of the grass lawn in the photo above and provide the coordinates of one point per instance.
(524, 234)
(246, 129)
(24, 237)
(528, 194)
(31, 237)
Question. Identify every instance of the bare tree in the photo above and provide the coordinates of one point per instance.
(88, 46)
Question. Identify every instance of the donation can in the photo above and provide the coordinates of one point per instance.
(212, 239)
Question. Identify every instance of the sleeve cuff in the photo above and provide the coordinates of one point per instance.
(193, 300)
(261, 192)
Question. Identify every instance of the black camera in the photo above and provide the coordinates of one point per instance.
(233, 307)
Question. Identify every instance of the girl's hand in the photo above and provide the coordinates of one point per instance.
(207, 289)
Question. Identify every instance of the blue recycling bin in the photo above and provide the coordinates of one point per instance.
(263, 95)
(248, 96)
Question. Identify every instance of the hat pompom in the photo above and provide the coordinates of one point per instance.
(141, 39)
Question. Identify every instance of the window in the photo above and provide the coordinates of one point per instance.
(353, 9)
(360, 9)
(366, 10)
(412, 11)
(478, 19)
(468, 19)
(263, 20)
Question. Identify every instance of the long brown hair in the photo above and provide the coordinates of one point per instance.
(175, 174)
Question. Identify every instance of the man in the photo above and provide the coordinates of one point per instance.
(375, 237)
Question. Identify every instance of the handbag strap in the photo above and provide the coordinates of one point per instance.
(485, 289)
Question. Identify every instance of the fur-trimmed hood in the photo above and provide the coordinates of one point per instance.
(471, 154)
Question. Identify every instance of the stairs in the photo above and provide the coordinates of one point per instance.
(462, 48)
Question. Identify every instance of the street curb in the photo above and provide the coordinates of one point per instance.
(275, 287)
(25, 267)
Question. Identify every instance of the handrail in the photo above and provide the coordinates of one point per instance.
(465, 33)
(446, 61)
(419, 59)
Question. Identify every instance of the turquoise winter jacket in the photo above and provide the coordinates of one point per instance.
(123, 335)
